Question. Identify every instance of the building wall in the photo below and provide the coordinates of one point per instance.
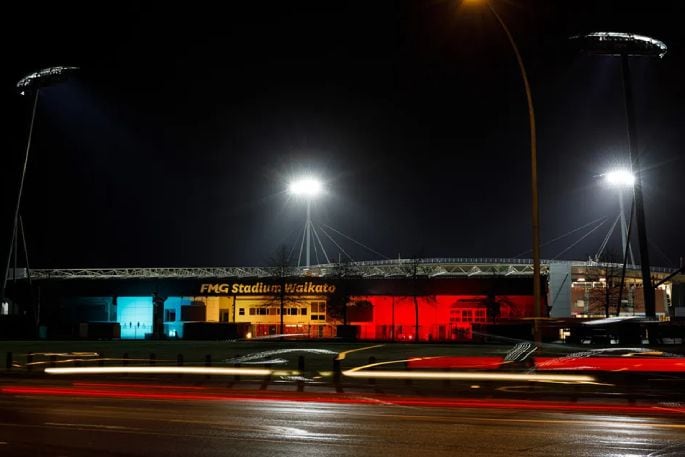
(560, 300)
(134, 315)
(588, 299)
(678, 301)
(264, 313)
(385, 309)
(440, 317)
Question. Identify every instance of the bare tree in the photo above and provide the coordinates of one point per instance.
(343, 273)
(492, 306)
(605, 300)
(281, 273)
(418, 287)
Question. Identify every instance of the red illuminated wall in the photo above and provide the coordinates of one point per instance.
(441, 317)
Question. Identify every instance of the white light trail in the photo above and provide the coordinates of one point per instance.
(219, 371)
(342, 355)
(470, 376)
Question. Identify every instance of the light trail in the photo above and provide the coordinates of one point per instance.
(342, 355)
(219, 371)
(141, 392)
(363, 372)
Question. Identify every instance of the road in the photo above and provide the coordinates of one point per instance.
(110, 421)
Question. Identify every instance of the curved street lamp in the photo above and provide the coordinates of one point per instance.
(535, 209)
(31, 83)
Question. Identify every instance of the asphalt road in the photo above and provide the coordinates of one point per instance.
(258, 424)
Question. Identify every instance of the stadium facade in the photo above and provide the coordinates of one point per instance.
(398, 300)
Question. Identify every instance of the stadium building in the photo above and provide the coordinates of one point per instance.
(395, 300)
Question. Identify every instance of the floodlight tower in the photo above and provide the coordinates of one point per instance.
(307, 188)
(30, 84)
(622, 179)
(625, 45)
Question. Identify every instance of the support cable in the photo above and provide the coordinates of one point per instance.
(26, 251)
(316, 251)
(294, 243)
(581, 239)
(600, 251)
(546, 243)
(13, 242)
(299, 257)
(663, 254)
(323, 249)
(357, 242)
(625, 260)
(336, 243)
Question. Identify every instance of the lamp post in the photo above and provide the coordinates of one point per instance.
(535, 209)
(308, 188)
(30, 84)
(622, 179)
(625, 45)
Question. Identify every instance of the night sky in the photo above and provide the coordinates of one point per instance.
(175, 143)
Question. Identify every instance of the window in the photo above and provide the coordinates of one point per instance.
(241, 311)
(303, 311)
(169, 315)
(274, 311)
(318, 307)
(455, 315)
(481, 315)
(467, 315)
(253, 311)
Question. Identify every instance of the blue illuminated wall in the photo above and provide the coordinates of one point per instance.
(172, 307)
(134, 314)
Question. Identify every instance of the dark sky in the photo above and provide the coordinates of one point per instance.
(175, 143)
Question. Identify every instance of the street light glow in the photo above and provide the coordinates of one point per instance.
(620, 178)
(306, 187)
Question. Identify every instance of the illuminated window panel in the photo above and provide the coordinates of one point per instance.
(135, 317)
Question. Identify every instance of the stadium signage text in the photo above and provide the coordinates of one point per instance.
(262, 288)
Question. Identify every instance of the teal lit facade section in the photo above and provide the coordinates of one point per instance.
(134, 315)
(173, 326)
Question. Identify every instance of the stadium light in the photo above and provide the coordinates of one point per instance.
(44, 77)
(620, 178)
(31, 83)
(620, 44)
(625, 46)
(309, 188)
(306, 187)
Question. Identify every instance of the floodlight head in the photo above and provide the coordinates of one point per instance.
(620, 178)
(617, 44)
(306, 187)
(44, 77)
